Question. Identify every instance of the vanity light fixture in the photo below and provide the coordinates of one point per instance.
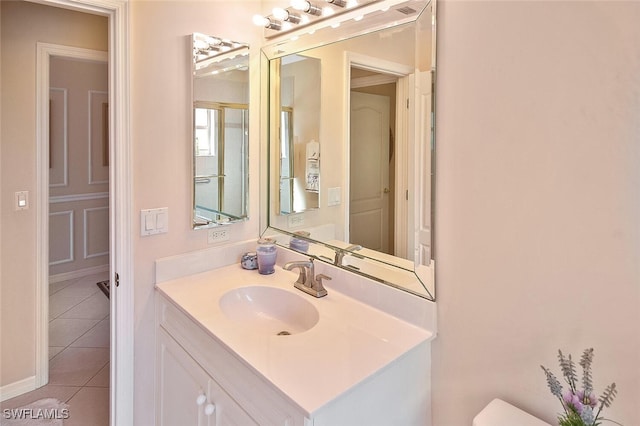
(286, 15)
(306, 7)
(330, 14)
(267, 22)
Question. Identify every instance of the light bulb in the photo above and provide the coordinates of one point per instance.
(280, 13)
(302, 5)
(200, 44)
(266, 22)
(260, 20)
(306, 6)
(213, 40)
(327, 11)
(284, 15)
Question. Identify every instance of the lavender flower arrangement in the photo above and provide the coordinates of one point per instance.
(581, 406)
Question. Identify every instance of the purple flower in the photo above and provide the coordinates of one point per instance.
(573, 402)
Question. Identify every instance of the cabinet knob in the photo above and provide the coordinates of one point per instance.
(209, 409)
(202, 398)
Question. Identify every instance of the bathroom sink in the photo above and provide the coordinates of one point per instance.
(269, 310)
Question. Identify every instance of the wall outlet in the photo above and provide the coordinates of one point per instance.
(295, 220)
(217, 235)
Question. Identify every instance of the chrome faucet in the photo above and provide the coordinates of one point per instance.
(307, 280)
(341, 252)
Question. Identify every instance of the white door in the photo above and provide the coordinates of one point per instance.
(420, 186)
(369, 171)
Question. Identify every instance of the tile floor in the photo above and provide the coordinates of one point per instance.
(78, 352)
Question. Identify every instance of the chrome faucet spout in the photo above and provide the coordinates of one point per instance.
(306, 268)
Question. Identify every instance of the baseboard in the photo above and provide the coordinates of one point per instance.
(17, 388)
(77, 274)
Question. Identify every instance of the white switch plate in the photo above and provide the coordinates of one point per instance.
(22, 200)
(154, 221)
(334, 197)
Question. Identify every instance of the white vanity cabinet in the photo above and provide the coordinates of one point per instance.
(188, 395)
(191, 363)
(356, 366)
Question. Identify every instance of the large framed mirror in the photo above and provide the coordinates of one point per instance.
(377, 140)
(220, 130)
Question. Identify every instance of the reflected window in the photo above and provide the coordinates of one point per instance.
(207, 125)
(221, 133)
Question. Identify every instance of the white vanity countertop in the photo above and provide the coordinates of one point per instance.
(350, 342)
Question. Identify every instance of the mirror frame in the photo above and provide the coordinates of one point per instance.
(287, 45)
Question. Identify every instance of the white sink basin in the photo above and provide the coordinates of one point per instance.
(269, 310)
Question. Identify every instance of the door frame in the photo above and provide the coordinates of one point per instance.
(120, 206)
(402, 73)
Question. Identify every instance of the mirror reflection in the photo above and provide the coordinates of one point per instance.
(300, 89)
(376, 136)
(220, 130)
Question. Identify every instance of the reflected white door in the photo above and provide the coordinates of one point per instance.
(369, 171)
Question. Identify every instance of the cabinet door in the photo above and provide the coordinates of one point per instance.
(227, 410)
(187, 395)
(182, 386)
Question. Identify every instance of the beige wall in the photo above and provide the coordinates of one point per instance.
(161, 139)
(538, 202)
(86, 239)
(24, 24)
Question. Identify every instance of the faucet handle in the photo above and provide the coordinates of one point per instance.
(319, 278)
(317, 285)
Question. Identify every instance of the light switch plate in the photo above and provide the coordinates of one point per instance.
(154, 221)
(22, 200)
(334, 197)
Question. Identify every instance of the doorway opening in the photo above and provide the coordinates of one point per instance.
(372, 154)
(379, 173)
(78, 240)
(121, 316)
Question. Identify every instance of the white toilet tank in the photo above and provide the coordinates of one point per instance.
(500, 413)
